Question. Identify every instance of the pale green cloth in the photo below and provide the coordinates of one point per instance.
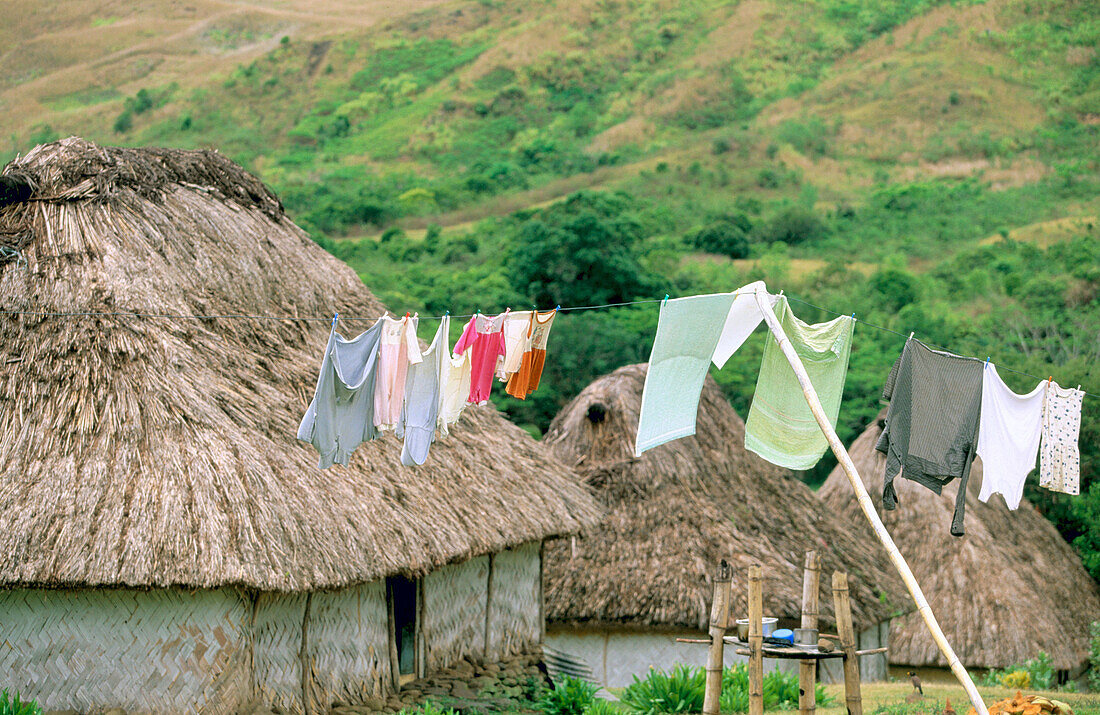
(780, 427)
(687, 333)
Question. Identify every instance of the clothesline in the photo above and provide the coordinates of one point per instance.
(562, 309)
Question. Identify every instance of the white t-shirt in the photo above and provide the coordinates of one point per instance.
(1008, 436)
(742, 319)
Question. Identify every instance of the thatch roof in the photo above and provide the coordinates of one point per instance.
(161, 451)
(1006, 590)
(673, 513)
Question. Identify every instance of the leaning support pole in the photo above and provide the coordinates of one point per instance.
(866, 505)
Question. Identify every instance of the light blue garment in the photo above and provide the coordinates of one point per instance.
(687, 332)
(341, 415)
(421, 408)
(691, 333)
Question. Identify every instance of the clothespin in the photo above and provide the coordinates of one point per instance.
(446, 313)
(1050, 380)
(558, 307)
(853, 316)
(335, 318)
(664, 301)
(910, 336)
(987, 360)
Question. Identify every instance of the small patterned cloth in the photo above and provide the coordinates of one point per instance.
(1059, 456)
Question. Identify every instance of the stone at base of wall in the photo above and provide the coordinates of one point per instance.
(471, 685)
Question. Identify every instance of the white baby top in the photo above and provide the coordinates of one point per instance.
(1008, 436)
(515, 343)
(1060, 457)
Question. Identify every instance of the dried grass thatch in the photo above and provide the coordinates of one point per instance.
(678, 509)
(1006, 590)
(162, 451)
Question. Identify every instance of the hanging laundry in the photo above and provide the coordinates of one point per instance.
(341, 414)
(931, 430)
(399, 347)
(1060, 457)
(483, 337)
(515, 340)
(455, 387)
(689, 331)
(422, 399)
(526, 380)
(743, 318)
(780, 427)
(1008, 436)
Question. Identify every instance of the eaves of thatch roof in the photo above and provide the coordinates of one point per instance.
(673, 513)
(1010, 587)
(161, 451)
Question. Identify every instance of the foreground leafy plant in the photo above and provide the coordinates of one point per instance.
(12, 705)
(571, 696)
(680, 691)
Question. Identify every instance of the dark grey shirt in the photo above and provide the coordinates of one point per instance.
(931, 431)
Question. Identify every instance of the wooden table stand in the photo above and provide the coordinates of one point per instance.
(756, 649)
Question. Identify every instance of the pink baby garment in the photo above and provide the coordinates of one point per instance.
(484, 338)
(398, 348)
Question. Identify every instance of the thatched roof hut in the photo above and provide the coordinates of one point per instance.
(1007, 589)
(673, 513)
(159, 452)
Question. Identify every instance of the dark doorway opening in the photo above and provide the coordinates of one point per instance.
(402, 592)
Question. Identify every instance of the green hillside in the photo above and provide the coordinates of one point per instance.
(930, 166)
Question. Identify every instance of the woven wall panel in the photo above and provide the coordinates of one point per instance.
(348, 645)
(276, 644)
(148, 651)
(514, 611)
(454, 611)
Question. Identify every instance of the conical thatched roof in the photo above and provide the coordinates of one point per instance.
(1006, 590)
(679, 508)
(162, 451)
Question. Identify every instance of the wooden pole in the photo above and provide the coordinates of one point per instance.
(719, 622)
(867, 505)
(842, 607)
(756, 641)
(807, 669)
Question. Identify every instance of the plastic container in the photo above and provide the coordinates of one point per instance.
(784, 634)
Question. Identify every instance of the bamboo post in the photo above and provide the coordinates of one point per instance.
(842, 607)
(867, 506)
(807, 669)
(719, 622)
(756, 641)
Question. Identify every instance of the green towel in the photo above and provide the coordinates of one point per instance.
(780, 427)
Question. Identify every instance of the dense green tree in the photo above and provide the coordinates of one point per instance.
(583, 251)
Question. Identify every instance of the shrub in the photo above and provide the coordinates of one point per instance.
(1040, 671)
(723, 237)
(12, 705)
(793, 225)
(680, 691)
(571, 696)
(124, 122)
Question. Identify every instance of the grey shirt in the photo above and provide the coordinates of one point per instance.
(341, 415)
(421, 408)
(931, 431)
